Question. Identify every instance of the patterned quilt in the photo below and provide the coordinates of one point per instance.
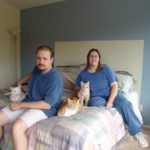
(93, 128)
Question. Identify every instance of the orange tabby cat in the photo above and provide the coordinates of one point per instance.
(69, 106)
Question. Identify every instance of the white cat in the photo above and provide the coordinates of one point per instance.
(84, 92)
(16, 94)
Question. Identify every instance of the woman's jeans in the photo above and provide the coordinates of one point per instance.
(125, 109)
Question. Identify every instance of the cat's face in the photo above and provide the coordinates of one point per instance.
(84, 85)
(15, 90)
(73, 103)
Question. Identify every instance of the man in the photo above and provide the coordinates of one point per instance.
(44, 94)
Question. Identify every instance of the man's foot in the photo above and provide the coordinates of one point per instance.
(141, 140)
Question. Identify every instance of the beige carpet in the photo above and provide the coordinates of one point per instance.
(130, 144)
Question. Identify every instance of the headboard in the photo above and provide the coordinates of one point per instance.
(124, 55)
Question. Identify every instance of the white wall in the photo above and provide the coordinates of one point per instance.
(125, 55)
(9, 44)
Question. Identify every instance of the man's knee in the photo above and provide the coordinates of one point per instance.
(4, 119)
(19, 126)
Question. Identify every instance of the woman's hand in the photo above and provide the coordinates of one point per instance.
(109, 105)
(113, 93)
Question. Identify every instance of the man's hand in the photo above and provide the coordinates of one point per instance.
(15, 106)
(24, 79)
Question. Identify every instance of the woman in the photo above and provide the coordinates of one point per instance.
(104, 92)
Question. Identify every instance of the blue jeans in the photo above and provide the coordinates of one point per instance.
(124, 107)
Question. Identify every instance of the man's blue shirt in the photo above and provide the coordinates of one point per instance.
(47, 87)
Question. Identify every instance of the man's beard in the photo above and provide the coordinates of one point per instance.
(41, 69)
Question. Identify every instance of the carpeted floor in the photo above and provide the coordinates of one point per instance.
(130, 144)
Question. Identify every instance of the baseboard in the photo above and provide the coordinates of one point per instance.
(146, 126)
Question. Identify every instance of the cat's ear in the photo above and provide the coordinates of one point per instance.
(11, 88)
(81, 82)
(69, 101)
(88, 82)
(80, 101)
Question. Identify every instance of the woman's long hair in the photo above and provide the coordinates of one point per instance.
(99, 67)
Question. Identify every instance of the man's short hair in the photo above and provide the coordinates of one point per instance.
(47, 48)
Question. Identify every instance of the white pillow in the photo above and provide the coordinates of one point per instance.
(125, 82)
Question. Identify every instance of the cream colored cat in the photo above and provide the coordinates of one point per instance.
(84, 92)
(16, 94)
(69, 106)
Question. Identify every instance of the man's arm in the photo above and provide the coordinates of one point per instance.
(30, 105)
(24, 79)
(76, 89)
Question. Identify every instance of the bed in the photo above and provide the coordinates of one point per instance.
(92, 128)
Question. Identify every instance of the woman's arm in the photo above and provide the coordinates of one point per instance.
(113, 94)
